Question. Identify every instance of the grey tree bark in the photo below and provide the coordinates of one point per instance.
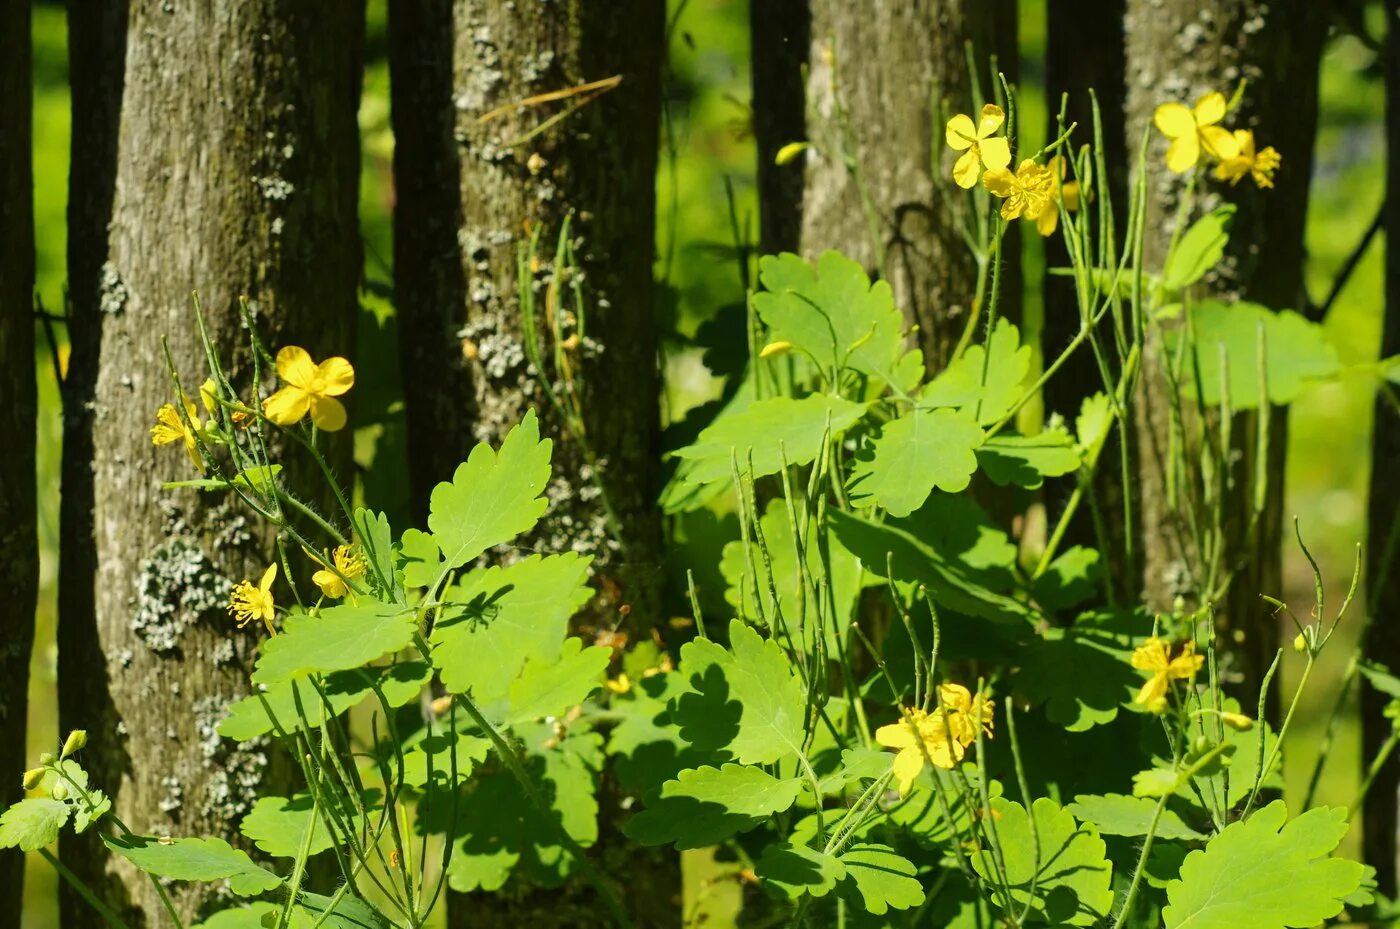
(215, 148)
(1381, 813)
(883, 79)
(19, 554)
(1179, 50)
(480, 169)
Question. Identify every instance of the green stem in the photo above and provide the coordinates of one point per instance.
(77, 884)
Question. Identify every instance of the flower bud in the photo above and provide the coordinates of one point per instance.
(1237, 721)
(774, 349)
(60, 791)
(441, 705)
(789, 152)
(46, 758)
(32, 777)
(1200, 745)
(1300, 643)
(1157, 706)
(75, 742)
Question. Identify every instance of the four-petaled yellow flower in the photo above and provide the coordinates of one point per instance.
(1154, 656)
(1261, 165)
(1060, 190)
(940, 737)
(310, 388)
(350, 562)
(1194, 129)
(979, 144)
(170, 428)
(249, 603)
(1025, 193)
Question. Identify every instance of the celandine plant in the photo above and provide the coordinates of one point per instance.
(906, 720)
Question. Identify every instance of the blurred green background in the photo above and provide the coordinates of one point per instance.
(708, 162)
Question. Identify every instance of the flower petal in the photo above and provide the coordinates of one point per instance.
(907, 765)
(331, 586)
(960, 133)
(992, 118)
(1151, 655)
(1210, 109)
(1184, 153)
(335, 376)
(998, 181)
(1155, 688)
(1048, 221)
(269, 576)
(895, 735)
(1220, 142)
(328, 414)
(996, 153)
(965, 171)
(955, 697)
(294, 365)
(1174, 120)
(287, 406)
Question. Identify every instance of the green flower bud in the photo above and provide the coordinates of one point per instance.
(75, 742)
(32, 777)
(1200, 745)
(1300, 643)
(60, 791)
(47, 758)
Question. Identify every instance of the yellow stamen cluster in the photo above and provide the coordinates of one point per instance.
(349, 564)
(250, 603)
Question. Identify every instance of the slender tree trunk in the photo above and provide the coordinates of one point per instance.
(781, 35)
(482, 170)
(19, 553)
(1179, 50)
(883, 80)
(1083, 53)
(1381, 815)
(215, 148)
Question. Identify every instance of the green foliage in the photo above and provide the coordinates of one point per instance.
(195, 860)
(288, 703)
(883, 879)
(32, 824)
(706, 805)
(1059, 870)
(1296, 353)
(985, 381)
(278, 826)
(1267, 872)
(744, 701)
(1201, 247)
(767, 433)
(919, 451)
(340, 638)
(1117, 814)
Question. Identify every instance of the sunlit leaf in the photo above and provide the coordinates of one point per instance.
(982, 387)
(32, 824)
(1297, 352)
(337, 638)
(707, 805)
(195, 860)
(919, 451)
(768, 432)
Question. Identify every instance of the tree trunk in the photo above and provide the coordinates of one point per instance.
(883, 80)
(1179, 50)
(19, 552)
(481, 170)
(1084, 52)
(215, 148)
(780, 33)
(1381, 814)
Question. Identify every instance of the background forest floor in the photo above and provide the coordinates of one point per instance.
(708, 151)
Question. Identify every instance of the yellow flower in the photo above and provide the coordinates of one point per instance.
(920, 737)
(1026, 193)
(1049, 219)
(620, 684)
(310, 388)
(207, 393)
(249, 603)
(170, 428)
(350, 562)
(978, 144)
(1192, 130)
(966, 713)
(1154, 656)
(1261, 165)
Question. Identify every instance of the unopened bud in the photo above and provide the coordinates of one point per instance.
(32, 777)
(441, 705)
(1200, 745)
(789, 152)
(1157, 706)
(46, 758)
(59, 792)
(1300, 643)
(774, 349)
(1237, 721)
(74, 743)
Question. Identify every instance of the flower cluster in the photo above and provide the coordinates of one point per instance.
(940, 737)
(349, 563)
(1155, 657)
(1033, 192)
(1196, 132)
